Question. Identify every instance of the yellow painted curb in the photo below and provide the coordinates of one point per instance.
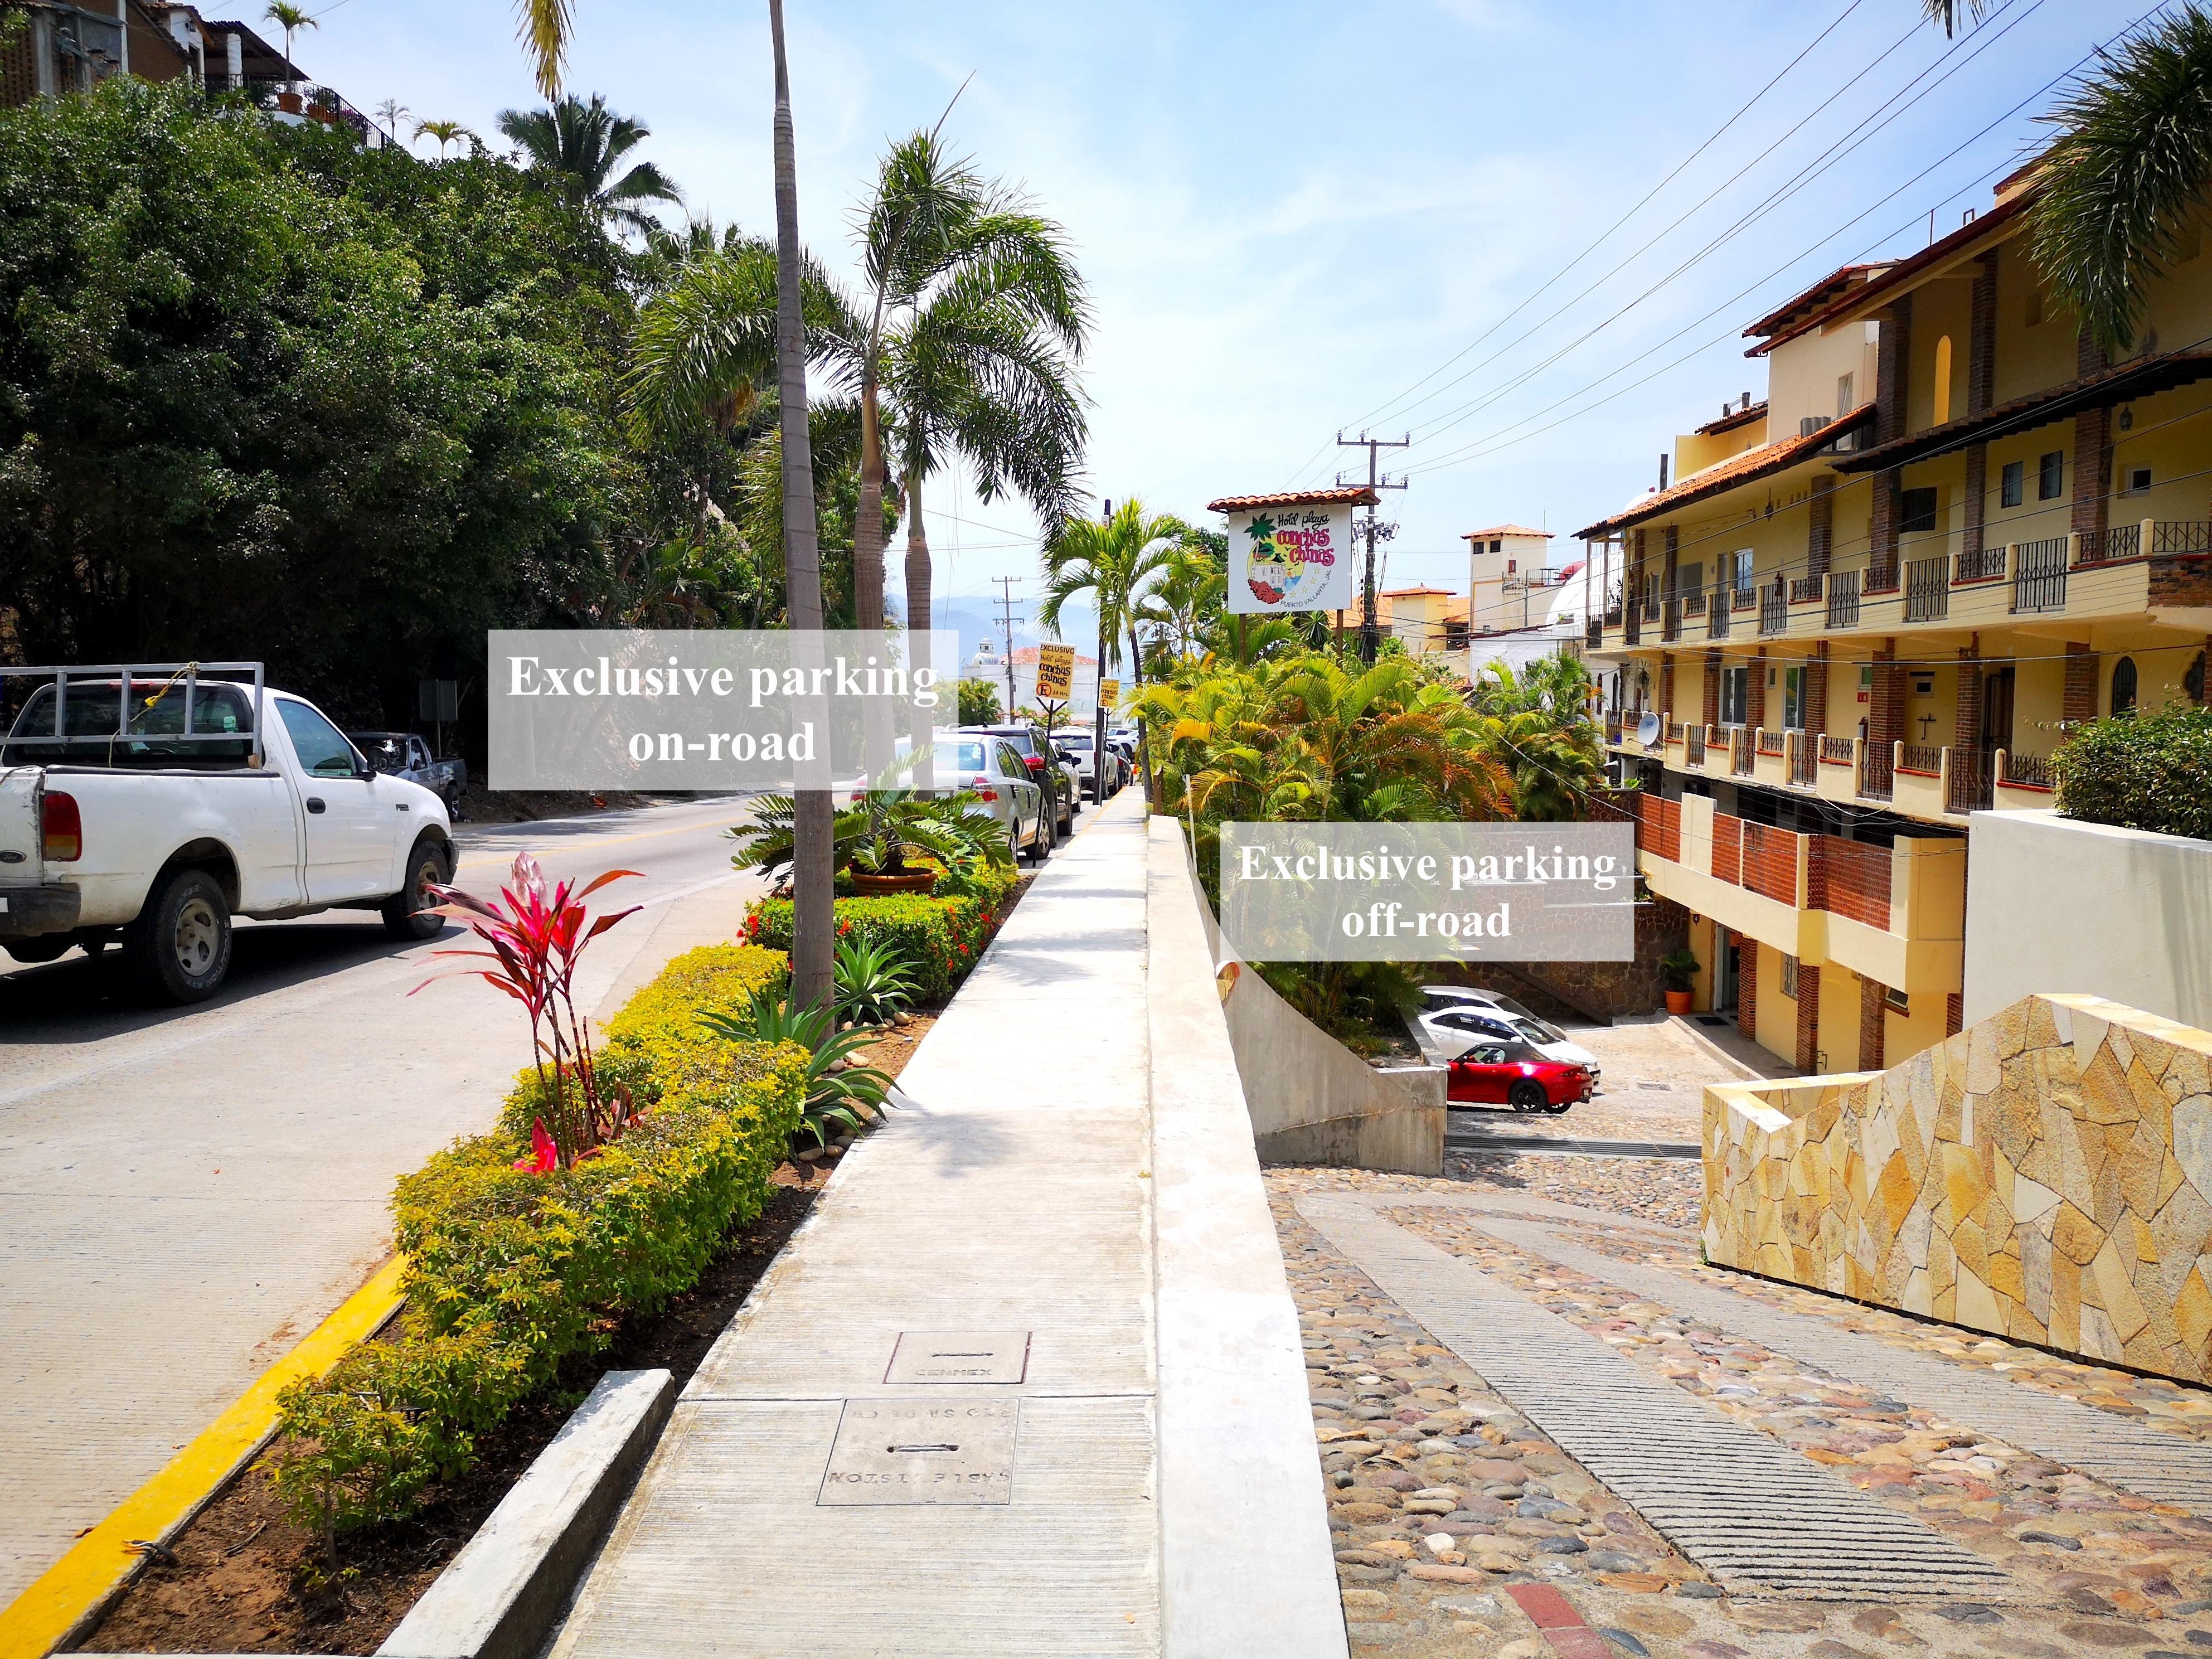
(43, 1614)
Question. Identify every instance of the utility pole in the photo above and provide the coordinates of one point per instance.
(1007, 619)
(1369, 638)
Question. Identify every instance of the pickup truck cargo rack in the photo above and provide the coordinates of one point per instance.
(131, 679)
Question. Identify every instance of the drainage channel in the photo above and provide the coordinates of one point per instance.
(2167, 1468)
(1744, 1507)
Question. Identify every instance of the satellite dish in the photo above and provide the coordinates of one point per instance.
(1648, 728)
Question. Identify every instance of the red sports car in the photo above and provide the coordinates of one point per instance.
(1514, 1075)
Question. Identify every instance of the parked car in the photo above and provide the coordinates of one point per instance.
(1056, 782)
(1514, 1075)
(1000, 779)
(158, 834)
(1441, 997)
(404, 755)
(1456, 1029)
(1078, 743)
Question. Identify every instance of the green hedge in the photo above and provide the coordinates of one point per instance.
(943, 937)
(510, 1274)
(2140, 772)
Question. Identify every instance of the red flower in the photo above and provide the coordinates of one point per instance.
(544, 1156)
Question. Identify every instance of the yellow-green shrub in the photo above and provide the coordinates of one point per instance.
(510, 1272)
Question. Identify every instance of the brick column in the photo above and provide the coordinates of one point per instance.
(1892, 360)
(2080, 697)
(1873, 1011)
(1672, 558)
(1712, 686)
(1747, 985)
(1820, 516)
(1808, 1018)
(1977, 499)
(2092, 450)
(1966, 729)
(1886, 707)
(1755, 687)
(1982, 335)
(1816, 695)
(1632, 592)
(1667, 684)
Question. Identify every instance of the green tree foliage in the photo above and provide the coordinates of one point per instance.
(979, 703)
(269, 395)
(576, 150)
(1537, 724)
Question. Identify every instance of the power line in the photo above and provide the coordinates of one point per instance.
(1369, 641)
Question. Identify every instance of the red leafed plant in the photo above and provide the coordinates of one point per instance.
(537, 935)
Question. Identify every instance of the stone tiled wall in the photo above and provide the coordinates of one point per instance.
(2045, 1174)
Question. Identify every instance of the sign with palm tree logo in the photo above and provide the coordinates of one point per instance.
(1290, 558)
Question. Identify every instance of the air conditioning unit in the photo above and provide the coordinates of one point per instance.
(1811, 424)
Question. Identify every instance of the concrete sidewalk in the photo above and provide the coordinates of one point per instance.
(936, 1426)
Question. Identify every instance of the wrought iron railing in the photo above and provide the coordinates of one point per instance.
(1739, 752)
(1805, 590)
(1744, 598)
(1882, 575)
(1928, 590)
(1670, 624)
(1805, 759)
(1971, 779)
(2119, 541)
(2038, 581)
(2181, 536)
(1774, 609)
(1693, 604)
(1674, 731)
(1926, 758)
(1594, 633)
(1717, 616)
(1770, 743)
(1844, 599)
(1982, 565)
(1693, 746)
(1876, 773)
(2029, 771)
(1836, 751)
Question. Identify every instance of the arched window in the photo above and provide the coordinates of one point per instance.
(1942, 411)
(2123, 686)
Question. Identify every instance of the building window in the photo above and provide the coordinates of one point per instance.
(2123, 686)
(2050, 476)
(1843, 405)
(1736, 695)
(1789, 977)
(1740, 569)
(1942, 410)
(1497, 545)
(1899, 1003)
(2014, 486)
(2138, 481)
(1793, 699)
(1915, 510)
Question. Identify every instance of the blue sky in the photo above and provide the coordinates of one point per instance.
(1292, 213)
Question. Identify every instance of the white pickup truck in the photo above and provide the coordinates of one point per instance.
(152, 804)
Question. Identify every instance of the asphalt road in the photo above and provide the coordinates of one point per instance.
(188, 1192)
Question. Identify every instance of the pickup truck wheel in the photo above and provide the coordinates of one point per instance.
(407, 913)
(179, 946)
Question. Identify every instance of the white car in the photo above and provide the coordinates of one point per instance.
(990, 770)
(1457, 1028)
(1077, 741)
(153, 804)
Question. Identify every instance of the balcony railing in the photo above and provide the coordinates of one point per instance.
(1693, 746)
(1970, 781)
(1693, 604)
(2027, 771)
(1741, 752)
(1805, 590)
(2039, 580)
(1742, 599)
(1928, 590)
(1836, 751)
(1882, 576)
(1612, 728)
(1986, 565)
(2119, 541)
(1804, 753)
(1844, 599)
(1770, 743)
(1670, 625)
(1717, 617)
(2181, 537)
(1613, 614)
(1925, 759)
(1674, 731)
(1594, 633)
(1877, 781)
(1651, 607)
(1774, 609)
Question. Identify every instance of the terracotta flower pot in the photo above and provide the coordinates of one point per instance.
(874, 886)
(1678, 1002)
(290, 102)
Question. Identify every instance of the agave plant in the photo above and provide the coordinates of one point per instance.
(840, 1094)
(874, 982)
(538, 933)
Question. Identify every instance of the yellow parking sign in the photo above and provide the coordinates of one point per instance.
(1109, 693)
(1055, 672)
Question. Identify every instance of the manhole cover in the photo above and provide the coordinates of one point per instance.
(941, 1450)
(969, 1357)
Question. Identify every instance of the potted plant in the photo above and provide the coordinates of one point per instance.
(1677, 969)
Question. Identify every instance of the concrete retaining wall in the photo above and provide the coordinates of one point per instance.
(2055, 904)
(1311, 1099)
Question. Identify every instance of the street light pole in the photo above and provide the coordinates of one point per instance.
(1369, 636)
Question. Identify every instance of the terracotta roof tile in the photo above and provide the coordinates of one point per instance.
(1349, 495)
(1728, 474)
(1504, 529)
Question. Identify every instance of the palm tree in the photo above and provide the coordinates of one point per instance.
(1538, 726)
(2120, 183)
(392, 112)
(1114, 561)
(446, 132)
(1948, 12)
(291, 19)
(575, 146)
(546, 28)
